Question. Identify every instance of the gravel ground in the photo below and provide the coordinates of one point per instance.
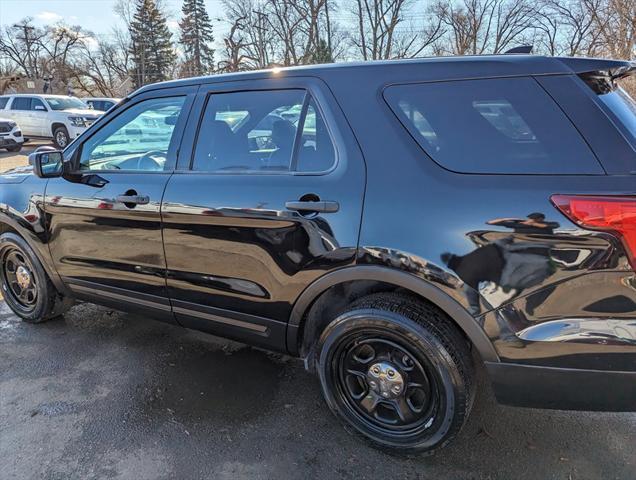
(101, 394)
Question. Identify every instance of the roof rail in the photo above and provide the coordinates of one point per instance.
(522, 49)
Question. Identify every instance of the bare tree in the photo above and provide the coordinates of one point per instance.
(568, 27)
(476, 27)
(22, 44)
(377, 21)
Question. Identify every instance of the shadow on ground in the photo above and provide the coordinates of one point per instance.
(102, 394)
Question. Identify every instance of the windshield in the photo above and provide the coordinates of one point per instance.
(65, 103)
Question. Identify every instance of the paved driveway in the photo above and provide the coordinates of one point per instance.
(10, 160)
(102, 394)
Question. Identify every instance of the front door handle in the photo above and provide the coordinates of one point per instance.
(133, 199)
(319, 206)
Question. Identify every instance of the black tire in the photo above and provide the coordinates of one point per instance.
(17, 148)
(432, 360)
(61, 138)
(39, 300)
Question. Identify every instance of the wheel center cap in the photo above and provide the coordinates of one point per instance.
(23, 277)
(385, 380)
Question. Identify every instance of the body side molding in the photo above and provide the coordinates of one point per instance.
(464, 320)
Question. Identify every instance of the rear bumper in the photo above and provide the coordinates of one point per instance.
(563, 388)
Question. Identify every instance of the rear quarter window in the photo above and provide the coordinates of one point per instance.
(499, 126)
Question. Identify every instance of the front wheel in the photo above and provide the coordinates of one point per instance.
(61, 137)
(24, 284)
(14, 149)
(398, 371)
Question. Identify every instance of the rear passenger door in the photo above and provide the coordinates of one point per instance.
(266, 198)
(20, 111)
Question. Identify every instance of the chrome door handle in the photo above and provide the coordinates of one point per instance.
(319, 206)
(134, 199)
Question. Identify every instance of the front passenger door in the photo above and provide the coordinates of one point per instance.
(105, 225)
(39, 117)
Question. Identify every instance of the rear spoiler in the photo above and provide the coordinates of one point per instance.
(600, 67)
(599, 74)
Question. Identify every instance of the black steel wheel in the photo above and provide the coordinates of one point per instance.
(24, 284)
(398, 371)
(17, 278)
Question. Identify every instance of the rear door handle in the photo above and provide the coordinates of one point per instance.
(319, 206)
(134, 199)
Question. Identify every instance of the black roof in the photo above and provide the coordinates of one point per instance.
(432, 68)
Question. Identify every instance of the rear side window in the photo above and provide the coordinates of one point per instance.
(21, 103)
(3, 102)
(505, 126)
(263, 131)
(617, 102)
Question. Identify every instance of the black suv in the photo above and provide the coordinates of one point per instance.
(391, 223)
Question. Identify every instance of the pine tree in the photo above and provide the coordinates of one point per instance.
(151, 49)
(196, 38)
(322, 53)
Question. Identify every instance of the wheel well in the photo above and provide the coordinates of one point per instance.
(54, 126)
(4, 228)
(335, 299)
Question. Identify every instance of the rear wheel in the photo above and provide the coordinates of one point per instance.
(25, 285)
(398, 371)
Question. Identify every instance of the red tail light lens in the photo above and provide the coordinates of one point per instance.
(615, 215)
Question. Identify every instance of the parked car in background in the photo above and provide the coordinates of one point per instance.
(55, 117)
(101, 103)
(11, 138)
(394, 224)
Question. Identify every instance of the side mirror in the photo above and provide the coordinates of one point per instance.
(47, 164)
(40, 107)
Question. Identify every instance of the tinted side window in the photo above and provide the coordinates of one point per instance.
(37, 104)
(3, 102)
(21, 103)
(137, 140)
(492, 126)
(249, 131)
(316, 152)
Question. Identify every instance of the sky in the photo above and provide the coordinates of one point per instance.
(97, 16)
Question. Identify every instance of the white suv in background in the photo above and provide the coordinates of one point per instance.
(10, 135)
(55, 117)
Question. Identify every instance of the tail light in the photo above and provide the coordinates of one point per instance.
(612, 214)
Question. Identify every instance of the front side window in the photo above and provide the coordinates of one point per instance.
(504, 125)
(263, 131)
(137, 140)
(36, 104)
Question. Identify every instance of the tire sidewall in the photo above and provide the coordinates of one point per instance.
(9, 240)
(423, 343)
(63, 130)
